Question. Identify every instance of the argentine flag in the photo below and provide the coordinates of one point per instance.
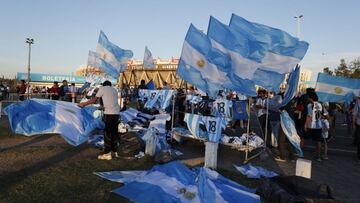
(94, 60)
(292, 86)
(336, 89)
(257, 52)
(148, 59)
(113, 54)
(199, 63)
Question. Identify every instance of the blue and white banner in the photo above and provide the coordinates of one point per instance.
(159, 99)
(148, 59)
(257, 51)
(288, 126)
(39, 116)
(174, 182)
(113, 54)
(336, 89)
(199, 63)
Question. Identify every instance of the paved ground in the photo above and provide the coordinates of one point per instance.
(341, 171)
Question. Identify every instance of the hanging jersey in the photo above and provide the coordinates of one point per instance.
(165, 98)
(214, 126)
(222, 108)
(314, 112)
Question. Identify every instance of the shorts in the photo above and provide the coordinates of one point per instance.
(315, 134)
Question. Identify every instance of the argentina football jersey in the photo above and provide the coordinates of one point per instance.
(222, 108)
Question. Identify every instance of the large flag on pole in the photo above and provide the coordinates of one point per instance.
(113, 54)
(148, 59)
(199, 63)
(336, 89)
(253, 57)
(94, 60)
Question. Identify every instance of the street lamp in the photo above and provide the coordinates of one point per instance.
(29, 41)
(298, 20)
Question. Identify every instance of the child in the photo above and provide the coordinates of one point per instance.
(325, 133)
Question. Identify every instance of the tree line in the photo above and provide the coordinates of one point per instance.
(351, 70)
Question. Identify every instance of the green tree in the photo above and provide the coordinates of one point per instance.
(328, 71)
(355, 68)
(343, 69)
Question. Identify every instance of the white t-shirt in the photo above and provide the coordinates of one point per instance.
(109, 96)
(261, 102)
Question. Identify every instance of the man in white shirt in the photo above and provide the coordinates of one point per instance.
(261, 105)
(109, 96)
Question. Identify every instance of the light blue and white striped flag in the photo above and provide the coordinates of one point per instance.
(292, 86)
(288, 126)
(148, 59)
(94, 60)
(199, 63)
(113, 54)
(336, 89)
(257, 52)
(174, 182)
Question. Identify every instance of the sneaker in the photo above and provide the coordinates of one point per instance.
(318, 159)
(325, 158)
(116, 155)
(106, 156)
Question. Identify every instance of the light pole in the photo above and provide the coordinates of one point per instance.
(29, 41)
(298, 20)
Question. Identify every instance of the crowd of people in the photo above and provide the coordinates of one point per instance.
(314, 120)
(65, 92)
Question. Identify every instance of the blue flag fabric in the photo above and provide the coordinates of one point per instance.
(94, 60)
(148, 59)
(288, 126)
(253, 58)
(336, 89)
(151, 85)
(174, 182)
(292, 86)
(200, 64)
(240, 110)
(39, 116)
(113, 54)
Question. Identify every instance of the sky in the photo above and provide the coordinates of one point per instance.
(64, 31)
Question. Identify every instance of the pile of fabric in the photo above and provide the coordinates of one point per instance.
(174, 182)
(40, 116)
(252, 140)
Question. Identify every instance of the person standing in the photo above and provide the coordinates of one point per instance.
(261, 105)
(55, 91)
(65, 91)
(21, 89)
(313, 125)
(109, 97)
(356, 125)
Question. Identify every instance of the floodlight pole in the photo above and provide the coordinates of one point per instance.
(298, 21)
(29, 41)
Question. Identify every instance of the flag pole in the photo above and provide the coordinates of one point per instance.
(248, 130)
